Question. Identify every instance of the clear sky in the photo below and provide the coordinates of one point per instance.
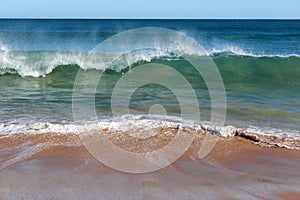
(150, 8)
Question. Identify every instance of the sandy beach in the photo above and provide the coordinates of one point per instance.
(54, 166)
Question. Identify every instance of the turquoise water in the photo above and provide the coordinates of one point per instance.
(259, 61)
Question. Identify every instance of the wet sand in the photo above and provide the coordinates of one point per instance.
(53, 166)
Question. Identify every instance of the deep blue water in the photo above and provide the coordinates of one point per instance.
(258, 37)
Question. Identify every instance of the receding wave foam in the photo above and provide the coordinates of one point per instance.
(140, 126)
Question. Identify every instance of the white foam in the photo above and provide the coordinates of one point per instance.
(36, 64)
(229, 49)
(123, 123)
(235, 50)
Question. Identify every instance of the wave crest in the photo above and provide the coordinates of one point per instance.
(228, 50)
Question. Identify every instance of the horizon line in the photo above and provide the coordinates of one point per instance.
(148, 18)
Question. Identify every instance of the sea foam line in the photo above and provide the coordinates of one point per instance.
(142, 125)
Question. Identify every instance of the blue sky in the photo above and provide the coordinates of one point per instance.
(150, 8)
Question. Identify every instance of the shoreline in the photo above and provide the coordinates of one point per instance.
(53, 165)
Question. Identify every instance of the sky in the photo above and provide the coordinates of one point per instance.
(223, 9)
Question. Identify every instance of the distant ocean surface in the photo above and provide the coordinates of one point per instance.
(259, 61)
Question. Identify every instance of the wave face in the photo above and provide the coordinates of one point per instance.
(258, 61)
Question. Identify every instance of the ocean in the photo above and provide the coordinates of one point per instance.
(259, 62)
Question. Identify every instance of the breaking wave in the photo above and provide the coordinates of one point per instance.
(40, 63)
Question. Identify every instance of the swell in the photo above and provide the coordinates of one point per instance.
(265, 70)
